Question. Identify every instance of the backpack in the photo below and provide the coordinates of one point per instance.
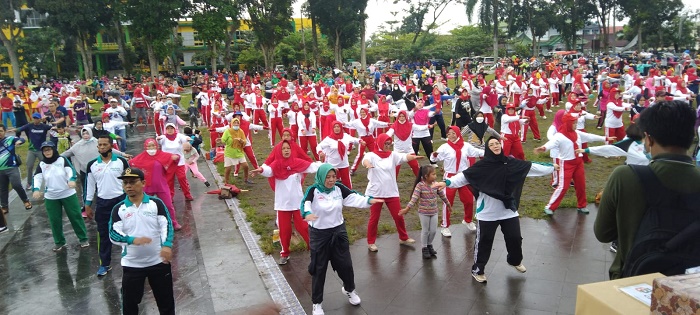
(667, 238)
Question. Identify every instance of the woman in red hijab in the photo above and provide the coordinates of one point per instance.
(334, 150)
(156, 165)
(567, 140)
(287, 135)
(286, 170)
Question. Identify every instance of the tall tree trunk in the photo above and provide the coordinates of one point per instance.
(303, 38)
(14, 59)
(120, 44)
(152, 59)
(86, 58)
(337, 51)
(639, 37)
(314, 36)
(214, 59)
(230, 36)
(494, 17)
(363, 45)
(268, 56)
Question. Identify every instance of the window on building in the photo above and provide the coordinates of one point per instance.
(34, 18)
(4, 71)
(197, 40)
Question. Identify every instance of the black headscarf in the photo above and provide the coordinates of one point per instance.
(479, 128)
(53, 157)
(498, 176)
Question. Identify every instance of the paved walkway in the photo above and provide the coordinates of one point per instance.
(559, 254)
(212, 269)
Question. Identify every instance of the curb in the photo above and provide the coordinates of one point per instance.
(277, 286)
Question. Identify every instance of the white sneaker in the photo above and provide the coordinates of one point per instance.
(446, 232)
(520, 268)
(471, 226)
(353, 298)
(318, 309)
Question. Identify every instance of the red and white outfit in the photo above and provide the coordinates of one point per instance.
(258, 101)
(532, 102)
(365, 128)
(288, 196)
(510, 139)
(204, 100)
(383, 108)
(292, 119)
(455, 158)
(613, 117)
(173, 144)
(488, 100)
(306, 122)
(336, 148)
(567, 140)
(403, 142)
(518, 90)
(217, 122)
(382, 184)
(276, 110)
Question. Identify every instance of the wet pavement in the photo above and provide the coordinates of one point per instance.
(559, 254)
(217, 268)
(212, 270)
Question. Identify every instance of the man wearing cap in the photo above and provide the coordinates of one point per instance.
(20, 114)
(36, 134)
(141, 225)
(104, 191)
(117, 113)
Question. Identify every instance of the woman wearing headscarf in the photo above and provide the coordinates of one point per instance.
(366, 128)
(171, 142)
(567, 140)
(322, 206)
(287, 170)
(510, 129)
(287, 135)
(57, 175)
(306, 122)
(381, 175)
(157, 166)
(402, 131)
(488, 101)
(234, 140)
(456, 156)
(334, 150)
(421, 118)
(497, 181)
(474, 132)
(462, 110)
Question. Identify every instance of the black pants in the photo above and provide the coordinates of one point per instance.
(160, 277)
(11, 177)
(329, 245)
(441, 123)
(427, 145)
(485, 232)
(601, 119)
(453, 122)
(103, 212)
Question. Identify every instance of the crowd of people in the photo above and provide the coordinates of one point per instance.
(313, 124)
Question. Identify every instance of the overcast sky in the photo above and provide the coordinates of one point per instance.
(379, 11)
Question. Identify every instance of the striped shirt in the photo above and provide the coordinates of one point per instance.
(426, 198)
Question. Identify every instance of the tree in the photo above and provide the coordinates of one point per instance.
(80, 19)
(341, 21)
(602, 12)
(13, 24)
(648, 17)
(210, 24)
(41, 49)
(152, 22)
(270, 21)
(489, 12)
(569, 17)
(533, 16)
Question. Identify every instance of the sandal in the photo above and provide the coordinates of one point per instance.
(27, 205)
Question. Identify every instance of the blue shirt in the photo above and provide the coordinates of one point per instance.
(35, 133)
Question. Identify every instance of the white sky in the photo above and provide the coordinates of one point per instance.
(452, 17)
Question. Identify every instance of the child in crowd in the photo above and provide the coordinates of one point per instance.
(194, 115)
(195, 138)
(63, 136)
(191, 157)
(425, 196)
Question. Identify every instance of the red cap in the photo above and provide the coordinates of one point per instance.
(510, 105)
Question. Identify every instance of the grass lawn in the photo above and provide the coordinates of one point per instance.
(258, 202)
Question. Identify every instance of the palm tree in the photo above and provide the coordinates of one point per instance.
(488, 11)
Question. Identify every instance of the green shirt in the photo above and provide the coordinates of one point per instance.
(622, 205)
(229, 151)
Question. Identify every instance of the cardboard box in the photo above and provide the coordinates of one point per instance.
(676, 295)
(606, 298)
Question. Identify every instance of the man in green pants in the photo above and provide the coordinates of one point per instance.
(58, 176)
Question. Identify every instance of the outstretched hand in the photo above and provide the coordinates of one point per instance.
(538, 150)
(256, 171)
(310, 217)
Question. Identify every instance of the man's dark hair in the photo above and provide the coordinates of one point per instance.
(670, 123)
(111, 141)
(188, 130)
(2, 127)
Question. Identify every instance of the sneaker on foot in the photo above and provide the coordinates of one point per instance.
(446, 232)
(283, 260)
(318, 310)
(613, 247)
(549, 110)
(352, 173)
(103, 270)
(353, 298)
(248, 181)
(373, 248)
(471, 226)
(59, 248)
(84, 214)
(177, 226)
(548, 211)
(3, 229)
(407, 241)
(583, 210)
(207, 184)
(85, 244)
(543, 117)
(235, 174)
(520, 268)
(479, 278)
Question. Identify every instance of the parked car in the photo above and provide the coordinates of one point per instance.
(381, 64)
(439, 63)
(354, 64)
